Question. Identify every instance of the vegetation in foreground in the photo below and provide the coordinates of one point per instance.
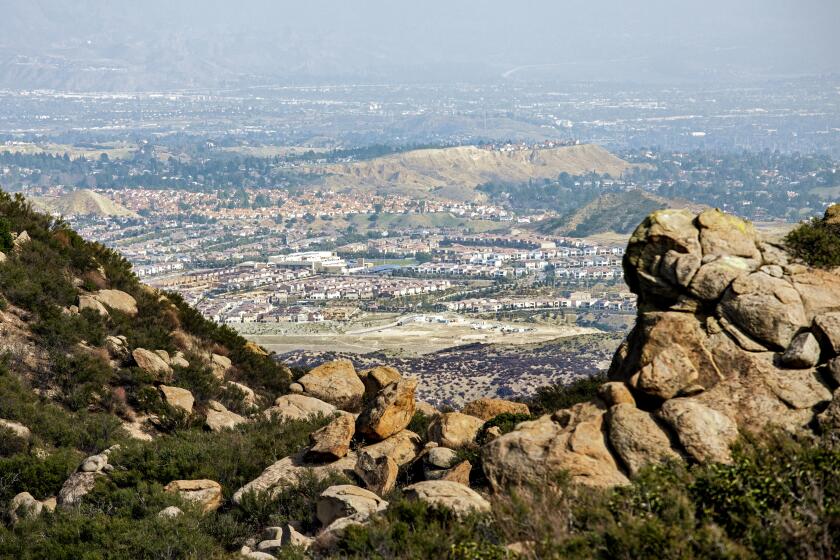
(817, 242)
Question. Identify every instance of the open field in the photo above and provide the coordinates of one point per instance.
(399, 336)
(114, 150)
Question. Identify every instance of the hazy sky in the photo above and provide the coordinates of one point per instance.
(196, 41)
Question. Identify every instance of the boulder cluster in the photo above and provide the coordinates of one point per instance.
(732, 336)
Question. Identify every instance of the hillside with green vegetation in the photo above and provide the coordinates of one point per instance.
(102, 457)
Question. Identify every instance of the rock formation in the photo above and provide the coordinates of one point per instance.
(732, 336)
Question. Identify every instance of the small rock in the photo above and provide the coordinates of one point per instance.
(616, 392)
(151, 363)
(460, 473)
(296, 388)
(427, 409)
(24, 506)
(89, 302)
(345, 500)
(206, 493)
(164, 355)
(441, 457)
(333, 440)
(220, 418)
(17, 428)
(834, 369)
(803, 352)
(376, 379)
(178, 360)
(454, 429)
(220, 365)
(94, 463)
(170, 512)
(403, 447)
(451, 495)
(492, 433)
(250, 398)
(299, 407)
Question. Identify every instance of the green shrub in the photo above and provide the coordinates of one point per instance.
(816, 242)
(506, 422)
(556, 397)
(80, 378)
(41, 477)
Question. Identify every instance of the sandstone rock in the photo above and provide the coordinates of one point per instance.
(170, 512)
(151, 363)
(819, 290)
(24, 506)
(571, 440)
(670, 371)
(768, 309)
(833, 368)
(379, 474)
(376, 379)
(164, 355)
(296, 388)
(255, 348)
(453, 429)
(713, 278)
(117, 347)
(803, 352)
(94, 463)
(427, 409)
(492, 433)
(220, 365)
(403, 447)
(460, 473)
(336, 383)
(178, 360)
(250, 398)
(441, 457)
(390, 411)
(447, 494)
(487, 408)
(16, 428)
(287, 472)
(90, 302)
(344, 500)
(333, 440)
(275, 538)
(50, 503)
(827, 328)
(616, 392)
(329, 537)
(177, 397)
(637, 438)
(724, 234)
(299, 407)
(662, 232)
(20, 240)
(117, 300)
(76, 487)
(220, 418)
(203, 492)
(246, 552)
(704, 433)
(799, 389)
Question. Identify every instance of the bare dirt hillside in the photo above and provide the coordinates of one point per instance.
(453, 173)
(83, 203)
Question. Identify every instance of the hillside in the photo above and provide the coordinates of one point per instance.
(612, 212)
(83, 202)
(453, 173)
(130, 427)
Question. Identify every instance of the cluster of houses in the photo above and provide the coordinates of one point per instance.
(620, 302)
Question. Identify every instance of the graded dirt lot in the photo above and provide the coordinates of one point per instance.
(404, 335)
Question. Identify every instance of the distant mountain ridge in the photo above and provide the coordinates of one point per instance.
(454, 173)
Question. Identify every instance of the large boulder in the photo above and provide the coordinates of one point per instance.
(456, 497)
(16, 428)
(379, 473)
(219, 418)
(205, 493)
(118, 300)
(345, 500)
(219, 365)
(637, 438)
(803, 352)
(87, 301)
(177, 397)
(332, 442)
(827, 328)
(76, 487)
(24, 506)
(152, 363)
(706, 434)
(488, 408)
(299, 407)
(572, 440)
(377, 378)
(288, 472)
(336, 383)
(403, 447)
(454, 429)
(390, 411)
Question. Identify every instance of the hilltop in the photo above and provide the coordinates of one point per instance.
(618, 212)
(131, 427)
(83, 202)
(454, 173)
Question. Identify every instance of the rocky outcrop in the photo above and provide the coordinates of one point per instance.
(152, 363)
(219, 418)
(299, 407)
(177, 397)
(345, 500)
(117, 300)
(732, 336)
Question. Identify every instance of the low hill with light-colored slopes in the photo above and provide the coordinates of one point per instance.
(83, 203)
(453, 173)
